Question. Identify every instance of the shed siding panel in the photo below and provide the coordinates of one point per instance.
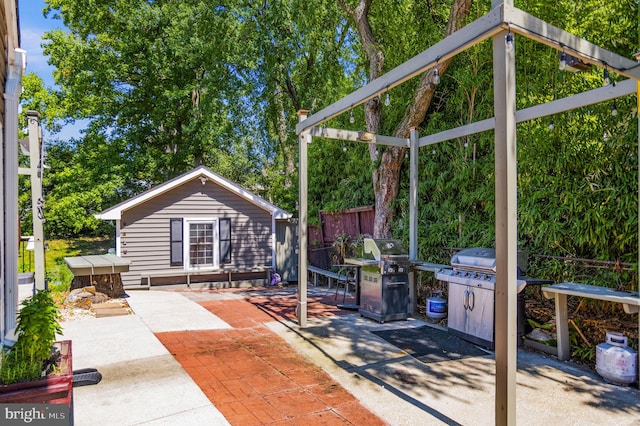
(145, 228)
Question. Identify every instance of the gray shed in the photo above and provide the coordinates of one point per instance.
(198, 229)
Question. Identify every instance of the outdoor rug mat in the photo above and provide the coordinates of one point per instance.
(428, 344)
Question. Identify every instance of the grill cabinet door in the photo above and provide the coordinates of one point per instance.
(457, 314)
(480, 313)
(394, 294)
(471, 311)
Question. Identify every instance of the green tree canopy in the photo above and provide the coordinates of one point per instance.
(170, 84)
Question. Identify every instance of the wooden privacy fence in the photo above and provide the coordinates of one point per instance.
(351, 222)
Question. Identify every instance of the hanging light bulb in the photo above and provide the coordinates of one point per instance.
(551, 125)
(351, 119)
(563, 61)
(614, 109)
(508, 41)
(436, 76)
(387, 100)
(607, 80)
(434, 151)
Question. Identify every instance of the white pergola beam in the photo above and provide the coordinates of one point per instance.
(534, 28)
(591, 97)
(391, 141)
(357, 136)
(504, 16)
(459, 132)
(338, 134)
(477, 31)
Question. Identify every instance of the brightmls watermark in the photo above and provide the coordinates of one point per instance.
(35, 414)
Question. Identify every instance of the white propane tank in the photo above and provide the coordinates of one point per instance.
(616, 362)
(436, 306)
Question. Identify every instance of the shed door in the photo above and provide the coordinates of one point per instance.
(287, 250)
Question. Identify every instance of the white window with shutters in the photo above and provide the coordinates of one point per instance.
(200, 243)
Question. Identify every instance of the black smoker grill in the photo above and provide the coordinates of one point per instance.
(472, 281)
(384, 281)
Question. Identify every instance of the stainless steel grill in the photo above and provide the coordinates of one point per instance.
(384, 280)
(472, 280)
(477, 267)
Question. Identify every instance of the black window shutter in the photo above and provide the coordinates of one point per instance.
(225, 240)
(175, 239)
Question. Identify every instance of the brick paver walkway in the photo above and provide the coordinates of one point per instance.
(254, 377)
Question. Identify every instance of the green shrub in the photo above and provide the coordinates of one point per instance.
(31, 356)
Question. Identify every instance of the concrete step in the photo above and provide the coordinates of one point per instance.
(109, 309)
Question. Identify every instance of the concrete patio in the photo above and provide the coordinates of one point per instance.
(238, 357)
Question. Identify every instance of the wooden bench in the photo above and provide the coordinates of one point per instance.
(227, 273)
(630, 302)
(316, 272)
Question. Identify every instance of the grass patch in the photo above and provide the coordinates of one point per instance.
(57, 273)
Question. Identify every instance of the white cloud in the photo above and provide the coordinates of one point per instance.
(31, 41)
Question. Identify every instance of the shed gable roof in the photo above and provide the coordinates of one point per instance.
(115, 212)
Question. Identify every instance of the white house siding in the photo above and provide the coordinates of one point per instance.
(145, 228)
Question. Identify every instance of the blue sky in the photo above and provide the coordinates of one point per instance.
(33, 25)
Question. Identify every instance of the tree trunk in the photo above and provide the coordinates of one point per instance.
(386, 177)
(109, 284)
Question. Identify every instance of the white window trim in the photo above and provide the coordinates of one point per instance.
(187, 221)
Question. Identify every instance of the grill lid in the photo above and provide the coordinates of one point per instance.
(385, 248)
(475, 259)
(479, 259)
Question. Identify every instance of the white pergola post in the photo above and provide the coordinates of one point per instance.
(301, 309)
(36, 163)
(637, 55)
(413, 216)
(506, 183)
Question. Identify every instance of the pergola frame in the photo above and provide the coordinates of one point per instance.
(503, 18)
